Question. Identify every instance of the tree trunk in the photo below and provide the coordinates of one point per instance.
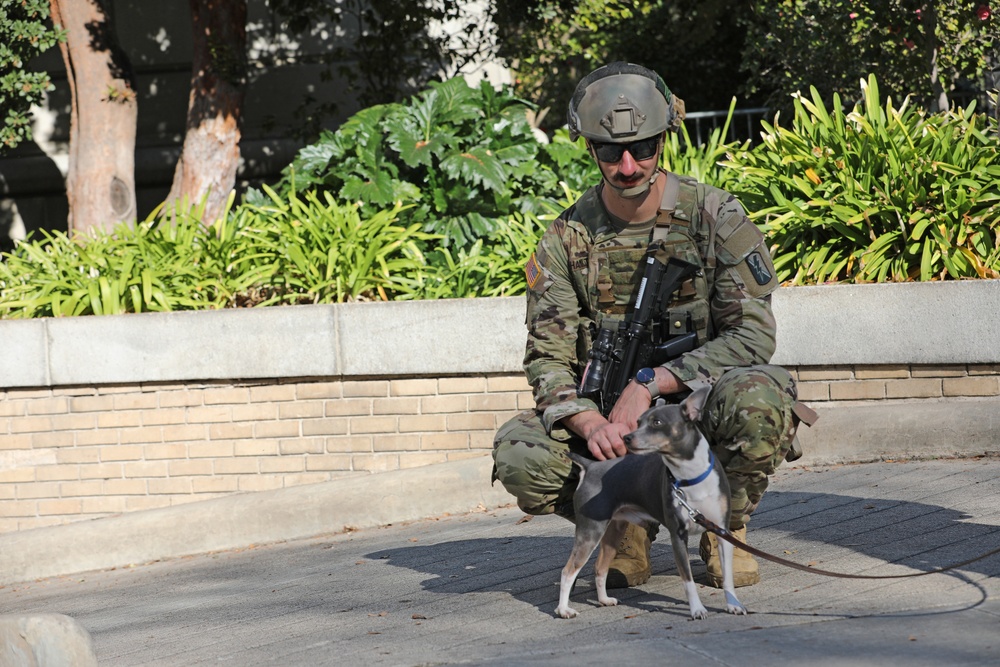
(211, 154)
(100, 184)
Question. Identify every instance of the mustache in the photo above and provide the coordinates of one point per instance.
(628, 180)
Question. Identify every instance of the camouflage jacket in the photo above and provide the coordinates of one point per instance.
(570, 274)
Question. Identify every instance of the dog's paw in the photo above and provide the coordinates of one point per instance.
(565, 612)
(698, 612)
(734, 606)
(607, 602)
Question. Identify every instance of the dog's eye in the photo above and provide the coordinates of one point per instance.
(655, 422)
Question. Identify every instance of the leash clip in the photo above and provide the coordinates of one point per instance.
(681, 499)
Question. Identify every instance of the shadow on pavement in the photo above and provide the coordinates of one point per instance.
(827, 530)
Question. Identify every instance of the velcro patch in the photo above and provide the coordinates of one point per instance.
(532, 271)
(759, 268)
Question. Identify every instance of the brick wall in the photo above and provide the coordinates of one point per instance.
(68, 454)
(819, 385)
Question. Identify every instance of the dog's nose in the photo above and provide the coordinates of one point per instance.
(627, 439)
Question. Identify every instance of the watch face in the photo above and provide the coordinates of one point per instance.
(645, 375)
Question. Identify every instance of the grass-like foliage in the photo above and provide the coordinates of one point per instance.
(302, 248)
(878, 193)
(446, 197)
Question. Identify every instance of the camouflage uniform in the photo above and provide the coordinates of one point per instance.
(585, 271)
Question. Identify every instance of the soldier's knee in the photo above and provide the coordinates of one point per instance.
(753, 406)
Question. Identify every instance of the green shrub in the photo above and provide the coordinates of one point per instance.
(305, 248)
(314, 249)
(463, 159)
(876, 194)
(148, 267)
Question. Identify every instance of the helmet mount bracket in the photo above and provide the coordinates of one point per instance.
(624, 119)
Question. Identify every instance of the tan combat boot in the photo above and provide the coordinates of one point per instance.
(745, 571)
(630, 566)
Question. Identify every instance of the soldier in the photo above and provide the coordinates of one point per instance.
(585, 273)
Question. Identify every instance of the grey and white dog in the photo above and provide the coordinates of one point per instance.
(668, 455)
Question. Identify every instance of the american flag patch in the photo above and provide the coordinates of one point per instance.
(532, 271)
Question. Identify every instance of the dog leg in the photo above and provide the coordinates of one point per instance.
(609, 547)
(683, 563)
(582, 548)
(733, 605)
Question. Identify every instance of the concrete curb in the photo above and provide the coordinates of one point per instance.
(240, 520)
(859, 432)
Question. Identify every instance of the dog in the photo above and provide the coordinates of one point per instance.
(666, 451)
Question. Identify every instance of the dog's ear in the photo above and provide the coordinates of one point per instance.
(693, 404)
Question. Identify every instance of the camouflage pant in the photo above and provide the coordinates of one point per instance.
(748, 420)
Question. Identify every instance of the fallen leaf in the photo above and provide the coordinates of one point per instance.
(524, 519)
(418, 617)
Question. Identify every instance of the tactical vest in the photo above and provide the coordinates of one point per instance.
(616, 261)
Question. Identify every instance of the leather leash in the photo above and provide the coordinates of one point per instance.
(711, 526)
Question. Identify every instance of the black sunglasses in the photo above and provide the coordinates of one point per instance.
(639, 150)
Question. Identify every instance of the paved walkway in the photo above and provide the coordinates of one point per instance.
(481, 589)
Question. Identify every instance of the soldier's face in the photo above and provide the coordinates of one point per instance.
(627, 171)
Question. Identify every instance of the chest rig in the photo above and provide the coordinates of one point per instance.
(617, 262)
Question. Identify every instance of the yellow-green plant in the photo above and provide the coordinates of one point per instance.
(310, 248)
(878, 193)
(148, 267)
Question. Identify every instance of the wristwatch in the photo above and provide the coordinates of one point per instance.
(647, 376)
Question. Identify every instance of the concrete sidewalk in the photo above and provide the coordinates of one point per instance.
(480, 588)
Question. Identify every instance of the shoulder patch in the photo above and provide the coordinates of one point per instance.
(759, 269)
(532, 271)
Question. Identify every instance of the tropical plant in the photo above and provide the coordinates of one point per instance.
(464, 159)
(878, 193)
(704, 161)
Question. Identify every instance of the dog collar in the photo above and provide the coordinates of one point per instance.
(678, 483)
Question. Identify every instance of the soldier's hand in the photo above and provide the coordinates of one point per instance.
(605, 442)
(604, 439)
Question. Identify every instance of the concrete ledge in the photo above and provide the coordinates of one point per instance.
(852, 432)
(45, 640)
(909, 323)
(952, 322)
(251, 518)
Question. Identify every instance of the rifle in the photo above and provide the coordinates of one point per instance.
(616, 355)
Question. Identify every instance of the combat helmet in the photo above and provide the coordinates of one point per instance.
(623, 103)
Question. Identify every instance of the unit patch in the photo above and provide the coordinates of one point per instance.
(758, 267)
